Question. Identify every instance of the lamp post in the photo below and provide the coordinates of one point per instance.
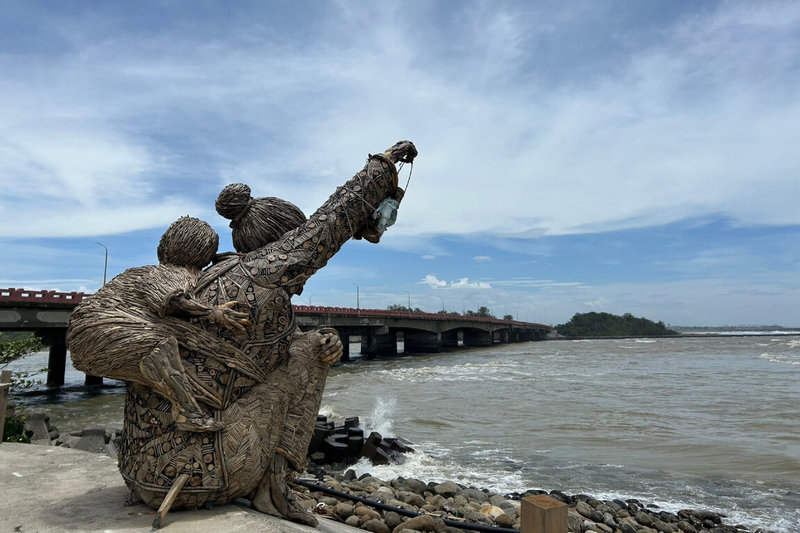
(442, 297)
(105, 264)
(409, 301)
(309, 298)
(358, 297)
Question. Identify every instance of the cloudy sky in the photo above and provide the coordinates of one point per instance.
(574, 156)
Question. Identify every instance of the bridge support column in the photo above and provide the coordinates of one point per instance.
(369, 348)
(57, 362)
(345, 347)
(422, 342)
(477, 338)
(450, 339)
(504, 336)
(385, 344)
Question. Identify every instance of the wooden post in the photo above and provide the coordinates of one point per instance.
(5, 384)
(543, 514)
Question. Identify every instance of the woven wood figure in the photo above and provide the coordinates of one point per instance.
(256, 380)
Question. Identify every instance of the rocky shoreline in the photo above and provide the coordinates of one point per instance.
(393, 506)
(451, 508)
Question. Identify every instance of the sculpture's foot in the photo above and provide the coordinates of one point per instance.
(274, 497)
(198, 423)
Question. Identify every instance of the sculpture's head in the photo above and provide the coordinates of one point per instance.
(256, 222)
(188, 242)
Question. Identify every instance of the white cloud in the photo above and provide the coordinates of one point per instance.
(481, 258)
(428, 257)
(464, 283)
(698, 122)
(432, 281)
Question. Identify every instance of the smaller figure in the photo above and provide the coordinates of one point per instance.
(121, 321)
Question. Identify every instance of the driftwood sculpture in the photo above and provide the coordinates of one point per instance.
(223, 387)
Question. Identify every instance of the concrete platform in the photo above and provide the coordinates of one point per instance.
(48, 488)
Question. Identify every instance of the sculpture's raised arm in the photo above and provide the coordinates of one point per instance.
(290, 260)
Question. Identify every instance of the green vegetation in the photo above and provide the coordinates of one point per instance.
(404, 309)
(13, 347)
(608, 325)
(482, 311)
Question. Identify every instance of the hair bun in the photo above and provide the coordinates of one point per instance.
(233, 200)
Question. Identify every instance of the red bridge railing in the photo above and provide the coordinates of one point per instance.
(308, 309)
(49, 297)
(73, 298)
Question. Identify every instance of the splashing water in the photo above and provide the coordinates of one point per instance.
(381, 419)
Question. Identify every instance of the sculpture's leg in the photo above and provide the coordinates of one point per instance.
(167, 503)
(163, 369)
(273, 496)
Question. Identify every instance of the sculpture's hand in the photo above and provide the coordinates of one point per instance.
(225, 316)
(402, 152)
(330, 346)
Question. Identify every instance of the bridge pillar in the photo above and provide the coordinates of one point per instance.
(450, 339)
(56, 361)
(422, 342)
(477, 338)
(385, 344)
(345, 347)
(369, 348)
(504, 336)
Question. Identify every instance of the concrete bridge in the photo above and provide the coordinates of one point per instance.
(46, 313)
(380, 329)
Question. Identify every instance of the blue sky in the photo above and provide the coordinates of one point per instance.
(574, 156)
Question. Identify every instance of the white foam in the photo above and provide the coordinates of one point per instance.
(382, 417)
(780, 359)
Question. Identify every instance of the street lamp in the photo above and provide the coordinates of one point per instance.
(358, 297)
(442, 297)
(309, 298)
(409, 301)
(105, 264)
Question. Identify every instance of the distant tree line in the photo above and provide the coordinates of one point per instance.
(482, 311)
(608, 325)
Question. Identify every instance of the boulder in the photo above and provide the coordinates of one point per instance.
(425, 523)
(343, 510)
(645, 519)
(584, 509)
(475, 494)
(92, 440)
(376, 525)
(38, 421)
(491, 511)
(447, 489)
(414, 485)
(392, 519)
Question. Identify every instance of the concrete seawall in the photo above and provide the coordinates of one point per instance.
(48, 488)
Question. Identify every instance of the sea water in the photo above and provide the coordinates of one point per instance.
(705, 423)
